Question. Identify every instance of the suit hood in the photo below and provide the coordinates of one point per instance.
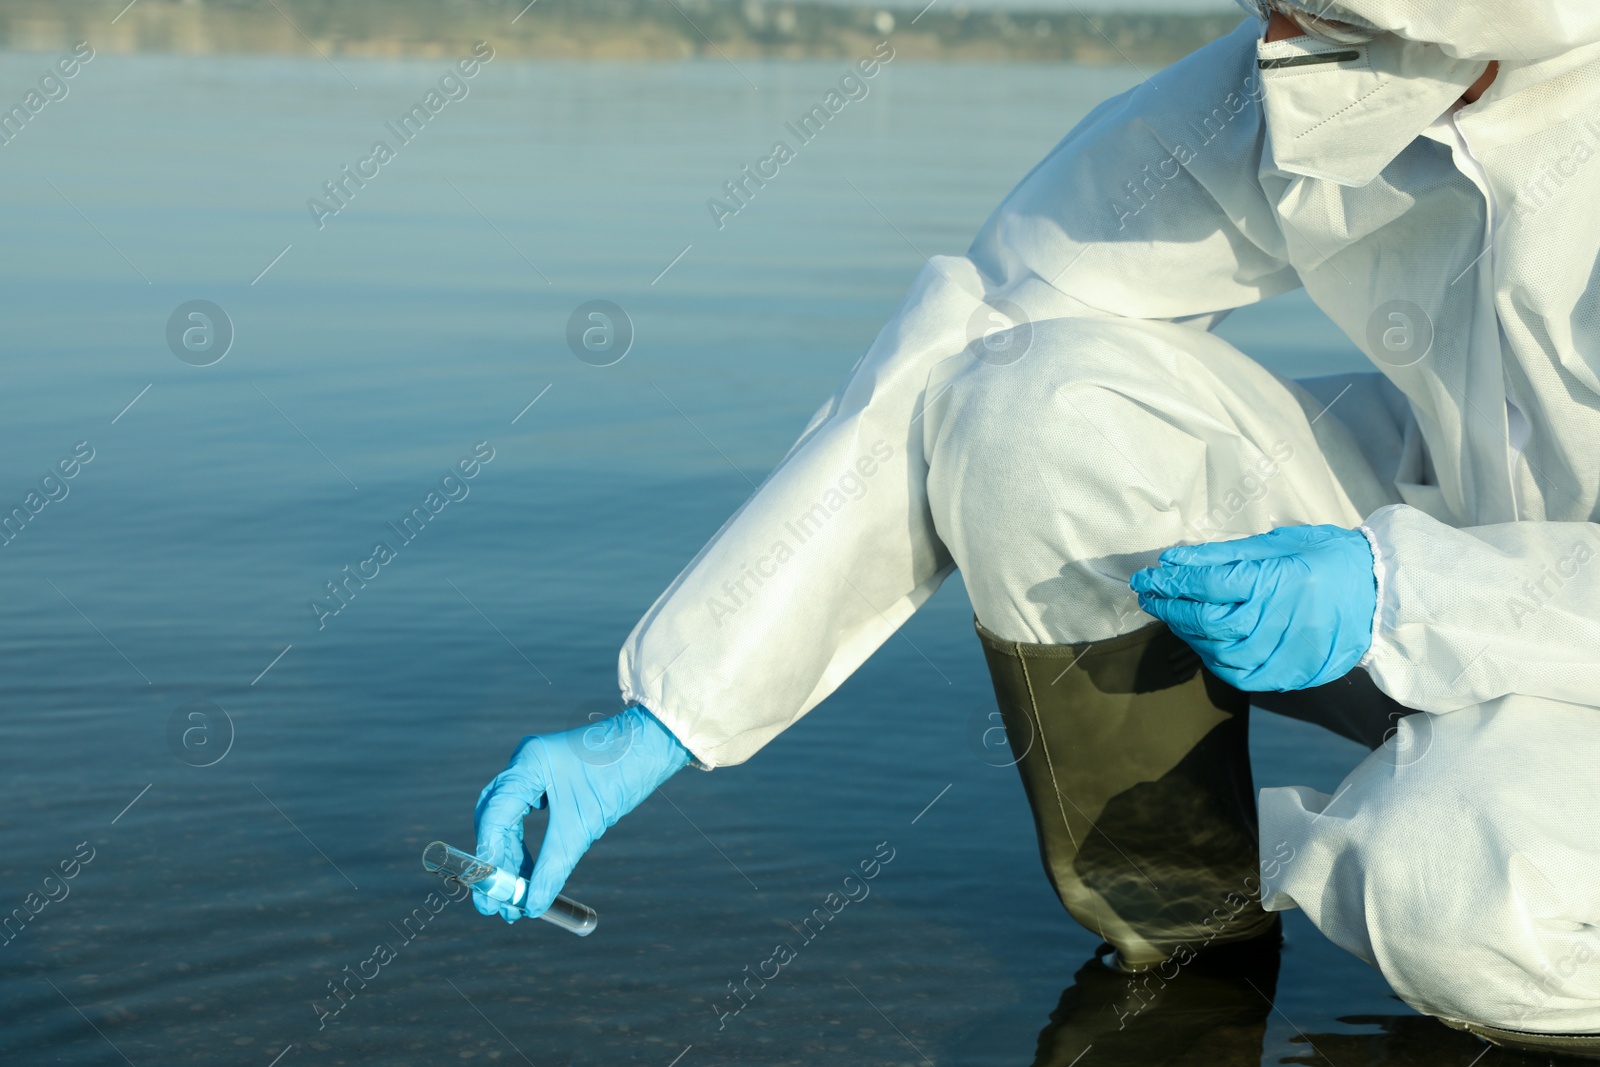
(1510, 30)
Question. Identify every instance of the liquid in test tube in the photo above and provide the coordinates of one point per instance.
(499, 884)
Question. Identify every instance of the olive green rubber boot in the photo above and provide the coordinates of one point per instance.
(1578, 1046)
(1136, 762)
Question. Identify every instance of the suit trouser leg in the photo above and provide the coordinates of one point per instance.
(1052, 479)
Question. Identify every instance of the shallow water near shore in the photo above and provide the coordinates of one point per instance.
(245, 863)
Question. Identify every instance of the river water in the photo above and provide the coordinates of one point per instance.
(253, 791)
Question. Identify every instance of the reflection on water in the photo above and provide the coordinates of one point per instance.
(1212, 1011)
(1403, 1041)
(1215, 1012)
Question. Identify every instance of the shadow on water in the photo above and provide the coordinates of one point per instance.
(1410, 1041)
(1214, 1013)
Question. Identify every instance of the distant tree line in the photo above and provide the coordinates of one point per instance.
(611, 29)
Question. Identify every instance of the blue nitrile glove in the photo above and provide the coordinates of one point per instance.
(589, 777)
(1289, 609)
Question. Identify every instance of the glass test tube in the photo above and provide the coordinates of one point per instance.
(497, 883)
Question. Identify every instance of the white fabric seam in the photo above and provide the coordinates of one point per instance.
(630, 696)
(1379, 574)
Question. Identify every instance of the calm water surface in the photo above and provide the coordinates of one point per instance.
(375, 353)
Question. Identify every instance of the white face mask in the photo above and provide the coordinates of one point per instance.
(1342, 112)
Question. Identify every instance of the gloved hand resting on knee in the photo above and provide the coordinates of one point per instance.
(1288, 609)
(589, 777)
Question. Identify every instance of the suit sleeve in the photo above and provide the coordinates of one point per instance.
(1468, 615)
(1151, 208)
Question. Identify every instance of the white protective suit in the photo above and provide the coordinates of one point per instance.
(1458, 248)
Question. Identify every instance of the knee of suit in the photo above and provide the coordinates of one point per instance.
(1052, 478)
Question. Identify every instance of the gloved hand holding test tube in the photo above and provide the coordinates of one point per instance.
(504, 887)
(588, 778)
